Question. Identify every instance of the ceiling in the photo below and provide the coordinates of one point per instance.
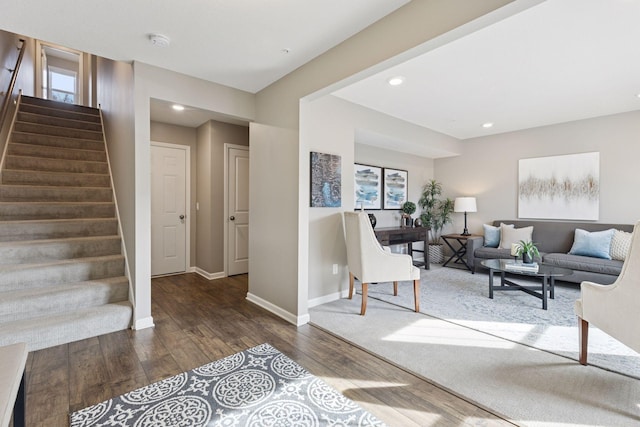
(558, 61)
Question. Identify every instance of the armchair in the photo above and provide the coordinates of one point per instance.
(369, 262)
(615, 308)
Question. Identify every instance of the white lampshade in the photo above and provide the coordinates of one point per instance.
(465, 204)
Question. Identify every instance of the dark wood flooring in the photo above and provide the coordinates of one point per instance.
(198, 321)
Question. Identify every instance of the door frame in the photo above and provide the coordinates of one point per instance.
(188, 213)
(225, 252)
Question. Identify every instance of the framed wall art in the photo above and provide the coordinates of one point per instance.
(560, 187)
(367, 186)
(326, 180)
(396, 184)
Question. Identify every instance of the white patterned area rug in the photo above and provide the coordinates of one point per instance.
(256, 387)
(460, 297)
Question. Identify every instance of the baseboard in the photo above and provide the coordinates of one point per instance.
(327, 298)
(147, 322)
(289, 317)
(209, 276)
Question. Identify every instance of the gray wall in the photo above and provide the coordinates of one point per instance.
(115, 86)
(488, 167)
(211, 218)
(182, 135)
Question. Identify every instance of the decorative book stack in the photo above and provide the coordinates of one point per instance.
(521, 266)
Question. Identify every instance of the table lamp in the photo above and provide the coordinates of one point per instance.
(465, 204)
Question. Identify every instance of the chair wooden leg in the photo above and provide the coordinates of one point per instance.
(395, 289)
(416, 294)
(583, 327)
(351, 285)
(364, 299)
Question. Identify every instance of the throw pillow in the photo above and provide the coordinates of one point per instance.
(492, 235)
(620, 244)
(510, 235)
(596, 244)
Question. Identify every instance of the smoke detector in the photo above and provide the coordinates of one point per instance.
(159, 40)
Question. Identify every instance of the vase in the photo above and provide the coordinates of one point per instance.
(373, 220)
(417, 222)
(527, 258)
(436, 253)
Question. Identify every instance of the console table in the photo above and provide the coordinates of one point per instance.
(399, 235)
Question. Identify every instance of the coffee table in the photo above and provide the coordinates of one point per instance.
(547, 273)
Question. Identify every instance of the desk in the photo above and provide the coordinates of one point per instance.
(460, 251)
(397, 235)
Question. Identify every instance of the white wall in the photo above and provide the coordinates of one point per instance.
(488, 166)
(328, 125)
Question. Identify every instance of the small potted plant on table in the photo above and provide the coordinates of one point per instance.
(528, 250)
(408, 208)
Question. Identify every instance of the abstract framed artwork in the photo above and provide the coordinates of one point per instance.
(560, 187)
(367, 186)
(326, 180)
(396, 185)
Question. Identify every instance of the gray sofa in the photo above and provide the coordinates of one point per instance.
(554, 240)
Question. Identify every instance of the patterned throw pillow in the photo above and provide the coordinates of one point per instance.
(620, 245)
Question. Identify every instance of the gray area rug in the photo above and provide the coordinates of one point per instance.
(257, 387)
(463, 298)
(523, 384)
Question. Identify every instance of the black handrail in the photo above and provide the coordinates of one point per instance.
(14, 77)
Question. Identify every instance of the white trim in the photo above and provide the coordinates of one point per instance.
(289, 317)
(187, 184)
(147, 322)
(327, 298)
(209, 276)
(225, 251)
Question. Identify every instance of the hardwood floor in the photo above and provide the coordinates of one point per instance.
(198, 321)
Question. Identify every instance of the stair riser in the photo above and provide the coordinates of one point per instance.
(60, 301)
(29, 211)
(58, 105)
(54, 165)
(63, 114)
(57, 131)
(58, 121)
(12, 232)
(28, 193)
(16, 177)
(36, 252)
(56, 141)
(30, 150)
(57, 274)
(74, 326)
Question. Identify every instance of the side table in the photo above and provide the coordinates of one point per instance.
(458, 244)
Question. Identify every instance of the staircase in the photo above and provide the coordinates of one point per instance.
(62, 272)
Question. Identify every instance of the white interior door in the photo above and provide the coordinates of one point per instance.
(238, 210)
(168, 210)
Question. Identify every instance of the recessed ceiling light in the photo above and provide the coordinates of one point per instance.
(396, 81)
(178, 107)
(159, 40)
(487, 125)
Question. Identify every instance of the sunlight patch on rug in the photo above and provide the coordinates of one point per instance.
(256, 387)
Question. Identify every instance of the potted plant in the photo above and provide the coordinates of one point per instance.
(408, 208)
(436, 213)
(528, 250)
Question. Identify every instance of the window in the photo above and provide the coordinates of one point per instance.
(62, 85)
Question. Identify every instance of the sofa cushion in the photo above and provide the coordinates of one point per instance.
(584, 263)
(620, 244)
(509, 236)
(492, 235)
(595, 244)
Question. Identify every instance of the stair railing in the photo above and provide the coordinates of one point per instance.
(12, 84)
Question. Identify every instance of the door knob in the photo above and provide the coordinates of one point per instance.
(181, 216)
(232, 218)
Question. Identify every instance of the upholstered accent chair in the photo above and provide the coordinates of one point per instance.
(615, 308)
(369, 262)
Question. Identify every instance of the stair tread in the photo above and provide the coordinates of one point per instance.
(55, 172)
(23, 293)
(69, 149)
(70, 138)
(59, 240)
(21, 156)
(55, 220)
